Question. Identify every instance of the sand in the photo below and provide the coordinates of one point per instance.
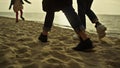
(20, 48)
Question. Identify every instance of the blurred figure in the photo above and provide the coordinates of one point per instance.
(18, 6)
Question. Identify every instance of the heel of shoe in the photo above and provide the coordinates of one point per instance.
(84, 46)
(43, 38)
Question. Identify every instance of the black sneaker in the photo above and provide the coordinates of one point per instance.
(43, 38)
(84, 46)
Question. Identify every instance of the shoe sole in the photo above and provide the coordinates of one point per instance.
(85, 50)
(101, 33)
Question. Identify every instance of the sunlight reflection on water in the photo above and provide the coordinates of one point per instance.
(112, 22)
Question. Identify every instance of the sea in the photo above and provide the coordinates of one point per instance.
(112, 22)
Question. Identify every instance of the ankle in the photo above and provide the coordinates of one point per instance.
(44, 33)
(83, 36)
(97, 23)
(84, 39)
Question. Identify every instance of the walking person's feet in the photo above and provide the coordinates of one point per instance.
(101, 30)
(43, 38)
(85, 45)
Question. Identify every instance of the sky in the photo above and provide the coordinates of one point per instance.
(99, 6)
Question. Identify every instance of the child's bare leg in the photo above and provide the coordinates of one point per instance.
(21, 15)
(16, 16)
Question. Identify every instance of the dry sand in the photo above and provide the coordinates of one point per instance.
(20, 48)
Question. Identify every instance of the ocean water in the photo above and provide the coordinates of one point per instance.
(112, 22)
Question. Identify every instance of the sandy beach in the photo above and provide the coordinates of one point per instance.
(20, 48)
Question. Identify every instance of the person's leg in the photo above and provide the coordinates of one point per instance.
(78, 27)
(48, 22)
(16, 16)
(21, 15)
(73, 18)
(92, 16)
(84, 7)
(47, 26)
(81, 4)
(81, 11)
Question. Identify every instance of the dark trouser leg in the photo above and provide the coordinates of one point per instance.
(77, 25)
(47, 26)
(84, 7)
(73, 19)
(81, 11)
(48, 21)
(92, 16)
